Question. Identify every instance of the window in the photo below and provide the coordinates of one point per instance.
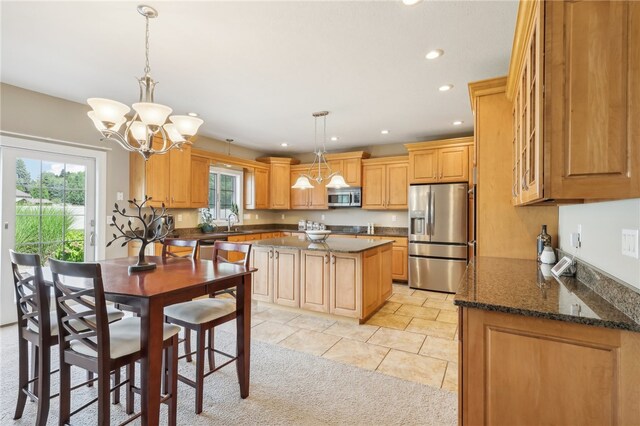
(225, 190)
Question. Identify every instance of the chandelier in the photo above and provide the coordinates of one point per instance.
(150, 118)
(320, 170)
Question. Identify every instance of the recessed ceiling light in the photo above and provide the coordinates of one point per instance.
(284, 144)
(334, 138)
(193, 114)
(410, 2)
(457, 122)
(384, 132)
(445, 88)
(436, 53)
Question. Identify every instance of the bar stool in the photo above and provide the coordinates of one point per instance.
(98, 346)
(38, 326)
(202, 316)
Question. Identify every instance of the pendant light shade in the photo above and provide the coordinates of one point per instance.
(185, 125)
(152, 114)
(108, 111)
(138, 131)
(337, 182)
(302, 183)
(173, 133)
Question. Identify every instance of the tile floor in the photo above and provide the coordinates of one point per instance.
(413, 337)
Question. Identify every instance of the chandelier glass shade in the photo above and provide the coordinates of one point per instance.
(149, 120)
(320, 171)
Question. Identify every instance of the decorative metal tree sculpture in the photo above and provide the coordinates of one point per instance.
(153, 229)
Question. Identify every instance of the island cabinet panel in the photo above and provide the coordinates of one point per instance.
(345, 277)
(386, 273)
(199, 182)
(314, 280)
(371, 291)
(286, 277)
(262, 285)
(516, 368)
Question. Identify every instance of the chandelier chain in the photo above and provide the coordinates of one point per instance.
(147, 68)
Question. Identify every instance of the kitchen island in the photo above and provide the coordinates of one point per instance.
(539, 350)
(346, 277)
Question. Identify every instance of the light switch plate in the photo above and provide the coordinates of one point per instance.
(394, 218)
(630, 243)
(246, 216)
(179, 218)
(119, 196)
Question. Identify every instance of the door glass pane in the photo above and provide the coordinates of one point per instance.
(50, 209)
(227, 194)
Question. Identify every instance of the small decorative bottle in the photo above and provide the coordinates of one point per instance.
(543, 240)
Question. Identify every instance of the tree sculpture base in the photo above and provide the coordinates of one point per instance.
(142, 267)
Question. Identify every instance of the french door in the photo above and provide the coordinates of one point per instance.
(48, 208)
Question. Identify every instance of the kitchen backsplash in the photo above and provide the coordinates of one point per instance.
(601, 236)
(347, 217)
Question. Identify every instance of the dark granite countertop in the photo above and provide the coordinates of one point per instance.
(520, 287)
(195, 233)
(341, 245)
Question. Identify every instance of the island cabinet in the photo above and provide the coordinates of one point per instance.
(279, 181)
(376, 278)
(440, 161)
(518, 370)
(166, 178)
(385, 183)
(307, 199)
(349, 165)
(574, 84)
(399, 255)
(262, 281)
(314, 280)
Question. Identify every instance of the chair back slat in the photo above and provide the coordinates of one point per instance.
(31, 295)
(230, 247)
(72, 321)
(177, 242)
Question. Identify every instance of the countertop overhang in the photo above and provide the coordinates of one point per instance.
(340, 245)
(522, 287)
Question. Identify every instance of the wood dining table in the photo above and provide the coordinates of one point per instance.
(176, 280)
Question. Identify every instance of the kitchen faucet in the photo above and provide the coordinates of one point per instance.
(229, 220)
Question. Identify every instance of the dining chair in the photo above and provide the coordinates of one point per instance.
(177, 242)
(202, 316)
(38, 326)
(221, 250)
(89, 341)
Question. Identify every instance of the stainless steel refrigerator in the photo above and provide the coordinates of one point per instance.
(437, 236)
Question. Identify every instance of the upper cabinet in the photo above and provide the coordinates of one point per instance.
(439, 161)
(385, 183)
(256, 188)
(165, 178)
(574, 81)
(279, 181)
(349, 165)
(199, 182)
(307, 199)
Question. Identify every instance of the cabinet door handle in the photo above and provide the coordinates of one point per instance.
(270, 254)
(277, 254)
(326, 259)
(333, 260)
(524, 180)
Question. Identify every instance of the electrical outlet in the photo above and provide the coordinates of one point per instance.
(394, 218)
(257, 216)
(321, 217)
(246, 216)
(574, 238)
(179, 218)
(282, 217)
(119, 196)
(630, 243)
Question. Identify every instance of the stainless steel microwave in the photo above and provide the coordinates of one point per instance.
(345, 197)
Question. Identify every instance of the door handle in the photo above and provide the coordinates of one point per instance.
(333, 260)
(326, 259)
(277, 254)
(270, 254)
(433, 211)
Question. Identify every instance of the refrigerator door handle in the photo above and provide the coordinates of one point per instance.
(428, 214)
(432, 208)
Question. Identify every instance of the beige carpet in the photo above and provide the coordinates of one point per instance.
(287, 387)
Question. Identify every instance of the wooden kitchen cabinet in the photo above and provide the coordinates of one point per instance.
(349, 165)
(307, 199)
(314, 280)
(574, 80)
(166, 178)
(262, 281)
(386, 274)
(345, 292)
(515, 368)
(400, 259)
(286, 277)
(256, 188)
(440, 161)
(385, 183)
(279, 182)
(199, 182)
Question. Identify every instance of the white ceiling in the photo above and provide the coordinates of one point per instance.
(255, 71)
